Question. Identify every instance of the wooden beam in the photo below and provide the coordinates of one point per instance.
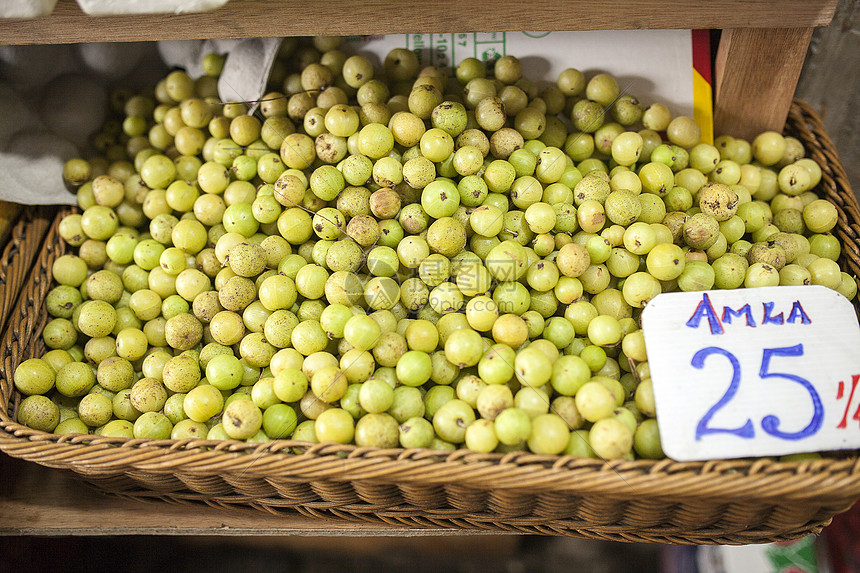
(755, 77)
(252, 18)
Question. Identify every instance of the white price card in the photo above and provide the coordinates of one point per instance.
(754, 372)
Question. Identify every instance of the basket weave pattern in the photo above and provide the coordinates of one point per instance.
(726, 502)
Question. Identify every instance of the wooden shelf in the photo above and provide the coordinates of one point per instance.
(757, 68)
(36, 500)
(250, 18)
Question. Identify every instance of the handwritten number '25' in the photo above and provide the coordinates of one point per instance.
(769, 423)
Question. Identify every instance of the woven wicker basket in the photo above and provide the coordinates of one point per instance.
(726, 502)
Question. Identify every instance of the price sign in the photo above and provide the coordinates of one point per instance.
(754, 372)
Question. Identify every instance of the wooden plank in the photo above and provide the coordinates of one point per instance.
(250, 18)
(755, 77)
(35, 500)
(489, 548)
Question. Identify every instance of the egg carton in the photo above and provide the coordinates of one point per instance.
(36, 8)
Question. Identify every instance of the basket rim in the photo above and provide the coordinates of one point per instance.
(824, 480)
(828, 481)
